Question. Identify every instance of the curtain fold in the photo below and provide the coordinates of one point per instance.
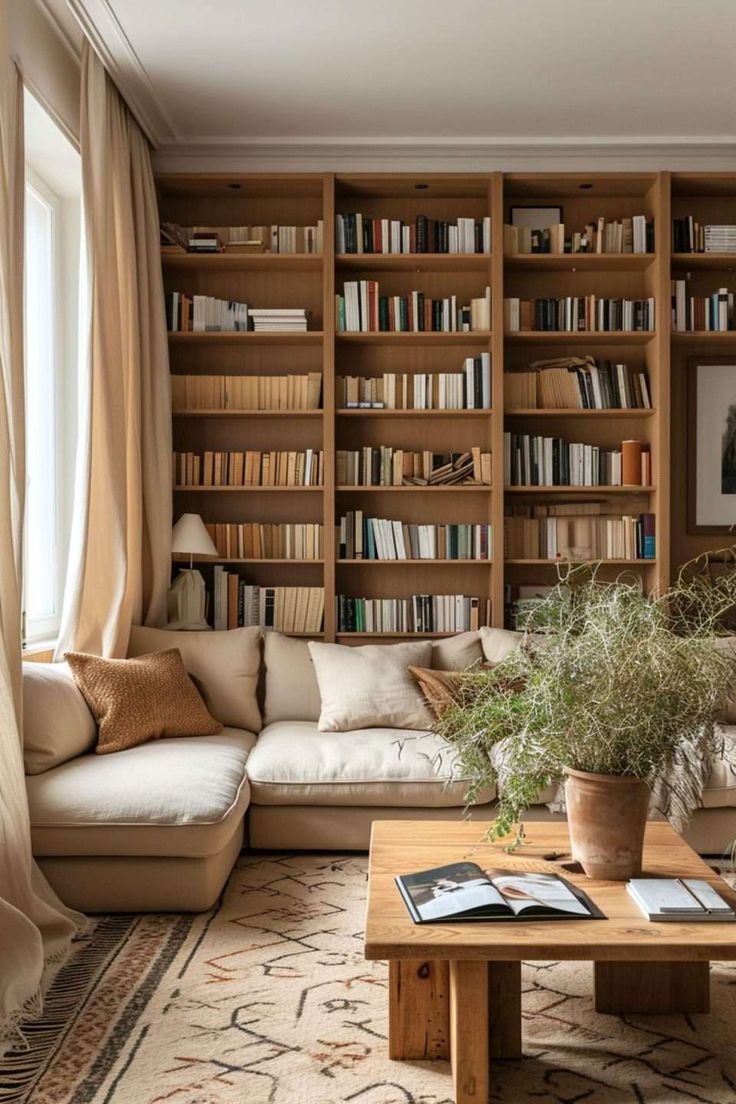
(120, 552)
(35, 928)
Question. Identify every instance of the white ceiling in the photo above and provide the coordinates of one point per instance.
(422, 70)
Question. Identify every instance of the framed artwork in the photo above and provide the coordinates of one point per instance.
(711, 444)
(536, 218)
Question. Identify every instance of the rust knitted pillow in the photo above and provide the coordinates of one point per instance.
(141, 699)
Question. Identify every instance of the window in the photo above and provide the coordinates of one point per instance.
(52, 249)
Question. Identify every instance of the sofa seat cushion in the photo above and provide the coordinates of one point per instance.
(182, 797)
(294, 763)
(720, 789)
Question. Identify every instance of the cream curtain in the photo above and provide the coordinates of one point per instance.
(35, 929)
(121, 543)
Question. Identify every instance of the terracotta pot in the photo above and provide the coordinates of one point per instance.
(607, 815)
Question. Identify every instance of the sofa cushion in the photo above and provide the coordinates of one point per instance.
(224, 665)
(720, 789)
(370, 686)
(57, 723)
(456, 653)
(292, 692)
(498, 643)
(294, 763)
(171, 797)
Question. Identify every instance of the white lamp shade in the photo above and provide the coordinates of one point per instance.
(190, 537)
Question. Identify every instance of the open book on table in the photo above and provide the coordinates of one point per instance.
(463, 891)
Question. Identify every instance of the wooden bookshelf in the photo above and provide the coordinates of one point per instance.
(311, 281)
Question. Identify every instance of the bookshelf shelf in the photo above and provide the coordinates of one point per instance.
(236, 560)
(707, 261)
(311, 281)
(243, 262)
(555, 563)
(414, 262)
(708, 337)
(581, 262)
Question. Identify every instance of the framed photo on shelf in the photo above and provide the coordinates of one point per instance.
(536, 218)
(711, 444)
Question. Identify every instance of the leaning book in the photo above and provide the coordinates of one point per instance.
(462, 891)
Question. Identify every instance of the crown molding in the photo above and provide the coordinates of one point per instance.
(448, 155)
(52, 10)
(102, 27)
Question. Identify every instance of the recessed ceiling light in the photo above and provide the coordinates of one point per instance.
(585, 187)
(421, 187)
(235, 187)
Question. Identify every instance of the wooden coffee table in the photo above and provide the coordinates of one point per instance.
(455, 990)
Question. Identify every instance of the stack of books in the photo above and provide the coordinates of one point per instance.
(278, 320)
(579, 314)
(576, 531)
(536, 461)
(287, 609)
(420, 613)
(362, 309)
(690, 236)
(578, 383)
(680, 900)
(267, 540)
(626, 235)
(389, 467)
(249, 469)
(358, 233)
(469, 389)
(205, 241)
(246, 392)
(714, 313)
(368, 538)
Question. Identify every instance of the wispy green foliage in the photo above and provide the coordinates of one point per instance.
(618, 683)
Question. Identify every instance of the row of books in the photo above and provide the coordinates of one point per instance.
(369, 538)
(362, 309)
(714, 313)
(469, 389)
(253, 540)
(579, 313)
(207, 314)
(536, 461)
(420, 613)
(249, 469)
(627, 235)
(289, 392)
(546, 533)
(384, 466)
(579, 383)
(288, 609)
(690, 236)
(359, 233)
(250, 239)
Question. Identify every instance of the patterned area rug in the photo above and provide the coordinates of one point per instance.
(268, 1000)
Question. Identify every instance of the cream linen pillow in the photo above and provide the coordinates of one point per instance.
(456, 653)
(224, 665)
(142, 699)
(57, 723)
(370, 686)
(498, 643)
(292, 693)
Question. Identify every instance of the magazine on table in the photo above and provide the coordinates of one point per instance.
(463, 891)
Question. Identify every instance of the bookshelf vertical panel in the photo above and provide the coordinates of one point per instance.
(661, 466)
(328, 399)
(495, 199)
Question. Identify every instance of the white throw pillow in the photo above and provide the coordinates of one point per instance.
(57, 723)
(370, 686)
(457, 653)
(292, 693)
(498, 643)
(224, 665)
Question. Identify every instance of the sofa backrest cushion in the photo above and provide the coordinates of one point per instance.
(371, 686)
(498, 643)
(57, 723)
(727, 644)
(292, 692)
(457, 653)
(224, 666)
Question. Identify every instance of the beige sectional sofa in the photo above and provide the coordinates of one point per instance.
(159, 826)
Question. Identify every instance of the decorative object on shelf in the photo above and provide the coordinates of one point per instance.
(619, 698)
(711, 444)
(187, 599)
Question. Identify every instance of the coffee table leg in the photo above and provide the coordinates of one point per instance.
(657, 987)
(419, 1009)
(504, 1009)
(469, 1049)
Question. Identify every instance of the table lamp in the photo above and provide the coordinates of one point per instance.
(187, 598)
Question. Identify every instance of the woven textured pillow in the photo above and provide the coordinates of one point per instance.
(142, 699)
(441, 689)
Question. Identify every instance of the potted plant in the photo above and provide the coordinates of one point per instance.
(618, 698)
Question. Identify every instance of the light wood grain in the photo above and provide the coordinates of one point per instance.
(469, 1044)
(419, 1009)
(662, 988)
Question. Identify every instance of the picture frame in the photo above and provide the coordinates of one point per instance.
(711, 445)
(534, 217)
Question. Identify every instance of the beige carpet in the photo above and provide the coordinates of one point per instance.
(268, 1000)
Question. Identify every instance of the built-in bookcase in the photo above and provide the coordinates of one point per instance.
(312, 281)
